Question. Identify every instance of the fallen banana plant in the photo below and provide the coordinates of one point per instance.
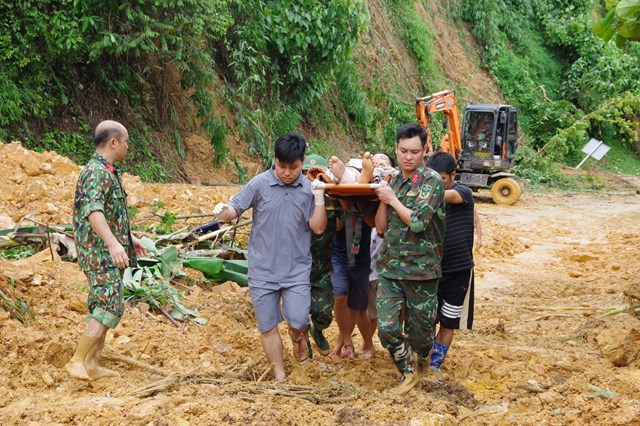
(149, 283)
(220, 269)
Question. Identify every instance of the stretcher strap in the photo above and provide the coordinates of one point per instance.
(353, 230)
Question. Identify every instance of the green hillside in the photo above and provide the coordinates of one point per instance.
(235, 74)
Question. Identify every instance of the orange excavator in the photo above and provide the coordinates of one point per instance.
(484, 147)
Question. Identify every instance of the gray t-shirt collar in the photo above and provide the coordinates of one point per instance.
(273, 179)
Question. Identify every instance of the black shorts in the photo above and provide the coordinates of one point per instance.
(352, 282)
(455, 300)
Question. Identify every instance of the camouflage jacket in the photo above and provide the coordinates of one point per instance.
(322, 245)
(100, 189)
(415, 252)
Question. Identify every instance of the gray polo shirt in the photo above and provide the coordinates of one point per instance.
(280, 239)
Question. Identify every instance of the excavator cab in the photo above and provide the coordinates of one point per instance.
(484, 147)
(489, 137)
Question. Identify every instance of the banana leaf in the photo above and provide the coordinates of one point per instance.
(226, 275)
(208, 266)
(149, 245)
(241, 266)
(220, 269)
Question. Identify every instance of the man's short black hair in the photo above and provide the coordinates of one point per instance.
(290, 147)
(104, 135)
(409, 131)
(392, 159)
(442, 162)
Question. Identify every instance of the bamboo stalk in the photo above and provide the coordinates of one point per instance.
(169, 317)
(114, 356)
(223, 230)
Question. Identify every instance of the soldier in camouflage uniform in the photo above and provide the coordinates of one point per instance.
(321, 309)
(105, 245)
(411, 215)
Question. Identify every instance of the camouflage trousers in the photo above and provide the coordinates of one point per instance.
(322, 302)
(105, 300)
(420, 301)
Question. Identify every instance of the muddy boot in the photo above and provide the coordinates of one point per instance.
(408, 382)
(438, 354)
(92, 362)
(423, 365)
(367, 168)
(318, 338)
(97, 372)
(77, 367)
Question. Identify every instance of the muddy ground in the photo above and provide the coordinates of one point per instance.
(543, 350)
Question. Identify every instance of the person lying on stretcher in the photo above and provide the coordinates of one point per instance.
(370, 169)
(350, 183)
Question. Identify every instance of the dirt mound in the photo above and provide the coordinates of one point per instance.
(43, 184)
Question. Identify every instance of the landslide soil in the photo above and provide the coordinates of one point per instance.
(542, 350)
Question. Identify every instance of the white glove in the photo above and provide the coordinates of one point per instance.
(221, 211)
(317, 188)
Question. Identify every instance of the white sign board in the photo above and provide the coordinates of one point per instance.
(596, 149)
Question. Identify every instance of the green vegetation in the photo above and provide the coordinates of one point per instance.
(621, 23)
(62, 61)
(255, 69)
(16, 307)
(418, 37)
(17, 253)
(569, 88)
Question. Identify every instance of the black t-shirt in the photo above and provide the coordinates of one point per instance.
(458, 236)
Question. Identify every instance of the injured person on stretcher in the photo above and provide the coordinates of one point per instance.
(358, 178)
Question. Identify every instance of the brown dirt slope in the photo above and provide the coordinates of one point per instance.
(458, 55)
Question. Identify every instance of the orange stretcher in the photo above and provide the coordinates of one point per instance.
(352, 191)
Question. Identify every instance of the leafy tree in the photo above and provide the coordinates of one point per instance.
(621, 23)
(290, 48)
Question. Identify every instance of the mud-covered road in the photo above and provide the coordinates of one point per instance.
(543, 349)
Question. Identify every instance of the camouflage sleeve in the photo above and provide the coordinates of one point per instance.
(429, 202)
(93, 190)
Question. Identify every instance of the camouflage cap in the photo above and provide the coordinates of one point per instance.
(314, 160)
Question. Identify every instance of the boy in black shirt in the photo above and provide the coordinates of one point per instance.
(455, 290)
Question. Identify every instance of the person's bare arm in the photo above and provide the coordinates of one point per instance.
(381, 219)
(318, 221)
(451, 196)
(138, 246)
(478, 227)
(117, 252)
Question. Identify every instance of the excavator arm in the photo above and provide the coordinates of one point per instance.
(444, 102)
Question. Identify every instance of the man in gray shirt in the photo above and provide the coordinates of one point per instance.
(287, 207)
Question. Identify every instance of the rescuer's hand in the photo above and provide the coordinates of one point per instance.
(317, 188)
(221, 211)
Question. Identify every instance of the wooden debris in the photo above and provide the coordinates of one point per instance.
(114, 356)
(333, 394)
(223, 230)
